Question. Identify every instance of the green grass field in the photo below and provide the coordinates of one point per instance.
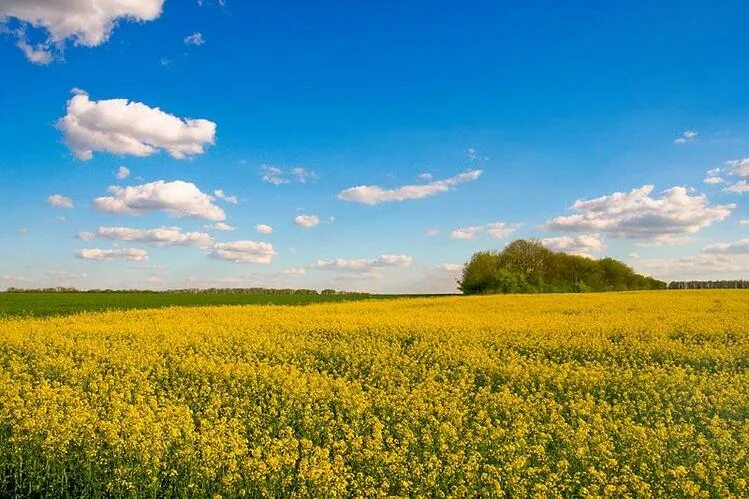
(49, 304)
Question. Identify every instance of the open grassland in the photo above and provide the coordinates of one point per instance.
(62, 303)
(643, 394)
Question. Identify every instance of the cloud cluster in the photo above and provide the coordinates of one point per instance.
(373, 194)
(636, 214)
(120, 126)
(278, 176)
(729, 260)
(582, 245)
(244, 252)
(177, 198)
(60, 201)
(220, 194)
(85, 22)
(162, 236)
(194, 39)
(496, 230)
(735, 168)
(133, 254)
(220, 226)
(364, 265)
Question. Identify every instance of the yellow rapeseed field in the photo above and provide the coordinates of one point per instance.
(623, 394)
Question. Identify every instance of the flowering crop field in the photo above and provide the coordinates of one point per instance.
(639, 394)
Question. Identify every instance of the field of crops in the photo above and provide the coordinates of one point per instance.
(62, 303)
(643, 393)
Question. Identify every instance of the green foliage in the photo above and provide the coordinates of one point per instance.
(528, 267)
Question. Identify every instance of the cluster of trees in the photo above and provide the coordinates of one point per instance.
(737, 284)
(529, 267)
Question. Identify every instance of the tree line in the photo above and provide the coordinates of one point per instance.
(526, 266)
(734, 284)
(221, 291)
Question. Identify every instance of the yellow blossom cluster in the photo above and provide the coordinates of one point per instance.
(623, 394)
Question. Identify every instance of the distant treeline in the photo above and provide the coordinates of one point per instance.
(738, 284)
(529, 267)
(216, 291)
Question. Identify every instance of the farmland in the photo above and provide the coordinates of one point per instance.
(610, 394)
(63, 303)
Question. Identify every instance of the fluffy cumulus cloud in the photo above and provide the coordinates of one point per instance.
(364, 265)
(120, 126)
(133, 254)
(264, 229)
(220, 226)
(496, 230)
(713, 177)
(584, 244)
(277, 176)
(637, 214)
(244, 252)
(373, 194)
(59, 201)
(177, 198)
(85, 22)
(686, 137)
(162, 236)
(122, 173)
(307, 221)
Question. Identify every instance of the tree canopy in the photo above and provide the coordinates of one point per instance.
(525, 266)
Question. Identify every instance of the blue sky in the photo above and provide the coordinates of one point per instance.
(502, 116)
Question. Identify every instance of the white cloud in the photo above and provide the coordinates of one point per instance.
(466, 232)
(123, 172)
(134, 254)
(244, 252)
(364, 265)
(277, 176)
(194, 39)
(450, 267)
(373, 194)
(637, 215)
(85, 22)
(744, 221)
(85, 235)
(665, 240)
(221, 195)
(220, 226)
(162, 236)
(738, 168)
(294, 272)
(433, 232)
(37, 54)
(425, 176)
(496, 230)
(686, 136)
(634, 255)
(60, 201)
(23, 230)
(740, 247)
(264, 229)
(739, 187)
(306, 221)
(713, 177)
(583, 245)
(177, 198)
(120, 126)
